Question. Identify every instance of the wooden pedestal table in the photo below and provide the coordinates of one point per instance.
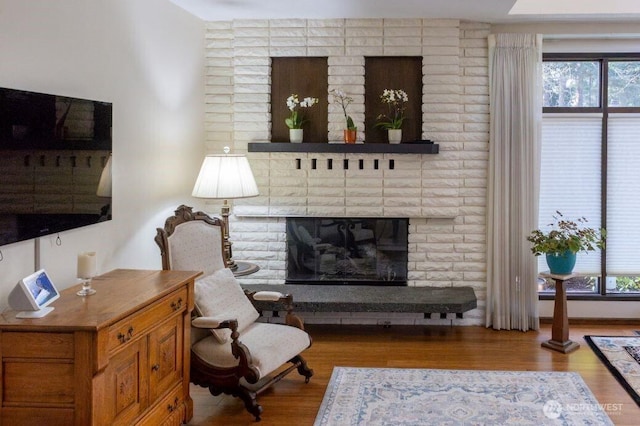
(245, 268)
(560, 329)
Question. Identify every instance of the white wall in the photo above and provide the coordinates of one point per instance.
(144, 56)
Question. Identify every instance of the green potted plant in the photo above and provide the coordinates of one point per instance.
(564, 240)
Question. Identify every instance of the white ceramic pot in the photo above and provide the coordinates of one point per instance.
(295, 135)
(395, 135)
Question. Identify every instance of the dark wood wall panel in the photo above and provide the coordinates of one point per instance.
(393, 72)
(304, 76)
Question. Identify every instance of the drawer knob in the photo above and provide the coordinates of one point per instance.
(125, 338)
(155, 367)
(177, 305)
(173, 407)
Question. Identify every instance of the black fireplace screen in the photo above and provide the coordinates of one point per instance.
(347, 251)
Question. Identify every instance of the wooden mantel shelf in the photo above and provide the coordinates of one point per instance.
(358, 148)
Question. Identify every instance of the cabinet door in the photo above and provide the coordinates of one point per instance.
(165, 357)
(126, 384)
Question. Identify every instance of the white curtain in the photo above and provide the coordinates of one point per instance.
(515, 76)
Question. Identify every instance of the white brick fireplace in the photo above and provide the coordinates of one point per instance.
(443, 195)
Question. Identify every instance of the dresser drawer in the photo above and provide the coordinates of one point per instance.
(169, 411)
(138, 323)
(37, 345)
(29, 416)
(23, 382)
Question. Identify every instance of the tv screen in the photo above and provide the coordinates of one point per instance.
(53, 152)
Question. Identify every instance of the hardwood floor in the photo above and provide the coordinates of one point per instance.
(292, 402)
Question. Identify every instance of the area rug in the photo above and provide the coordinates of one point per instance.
(395, 396)
(621, 355)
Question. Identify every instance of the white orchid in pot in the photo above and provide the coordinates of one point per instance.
(396, 100)
(564, 240)
(296, 118)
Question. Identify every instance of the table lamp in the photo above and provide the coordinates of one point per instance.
(225, 177)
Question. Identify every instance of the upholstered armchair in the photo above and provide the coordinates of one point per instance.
(231, 352)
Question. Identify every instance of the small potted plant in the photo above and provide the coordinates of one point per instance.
(344, 100)
(564, 240)
(296, 119)
(395, 99)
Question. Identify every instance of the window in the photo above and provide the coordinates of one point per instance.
(590, 158)
(571, 84)
(624, 84)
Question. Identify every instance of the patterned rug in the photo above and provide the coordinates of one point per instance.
(394, 396)
(621, 355)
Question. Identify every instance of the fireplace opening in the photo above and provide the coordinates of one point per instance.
(347, 251)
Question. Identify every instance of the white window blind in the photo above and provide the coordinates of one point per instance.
(570, 176)
(623, 195)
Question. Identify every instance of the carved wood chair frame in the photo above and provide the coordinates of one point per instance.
(228, 380)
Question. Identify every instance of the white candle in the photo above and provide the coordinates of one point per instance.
(87, 264)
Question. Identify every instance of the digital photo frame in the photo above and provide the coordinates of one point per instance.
(32, 295)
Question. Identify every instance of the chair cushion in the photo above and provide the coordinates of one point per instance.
(271, 345)
(219, 294)
(196, 246)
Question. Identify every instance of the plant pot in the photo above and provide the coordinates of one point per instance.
(350, 136)
(561, 263)
(295, 135)
(394, 135)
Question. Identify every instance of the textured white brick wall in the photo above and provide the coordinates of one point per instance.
(443, 194)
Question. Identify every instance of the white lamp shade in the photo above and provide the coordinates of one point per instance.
(104, 185)
(224, 177)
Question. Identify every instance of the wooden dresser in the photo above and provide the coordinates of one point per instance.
(118, 357)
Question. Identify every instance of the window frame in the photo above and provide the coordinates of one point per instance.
(605, 110)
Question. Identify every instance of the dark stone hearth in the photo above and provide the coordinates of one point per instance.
(331, 298)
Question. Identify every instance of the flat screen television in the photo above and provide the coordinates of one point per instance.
(53, 152)
(32, 295)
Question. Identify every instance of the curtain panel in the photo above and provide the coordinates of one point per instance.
(515, 82)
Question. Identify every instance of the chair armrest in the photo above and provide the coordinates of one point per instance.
(271, 296)
(274, 296)
(214, 322)
(238, 349)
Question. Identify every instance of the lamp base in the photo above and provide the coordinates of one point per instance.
(232, 265)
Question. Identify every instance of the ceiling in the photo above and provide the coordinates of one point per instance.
(492, 11)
